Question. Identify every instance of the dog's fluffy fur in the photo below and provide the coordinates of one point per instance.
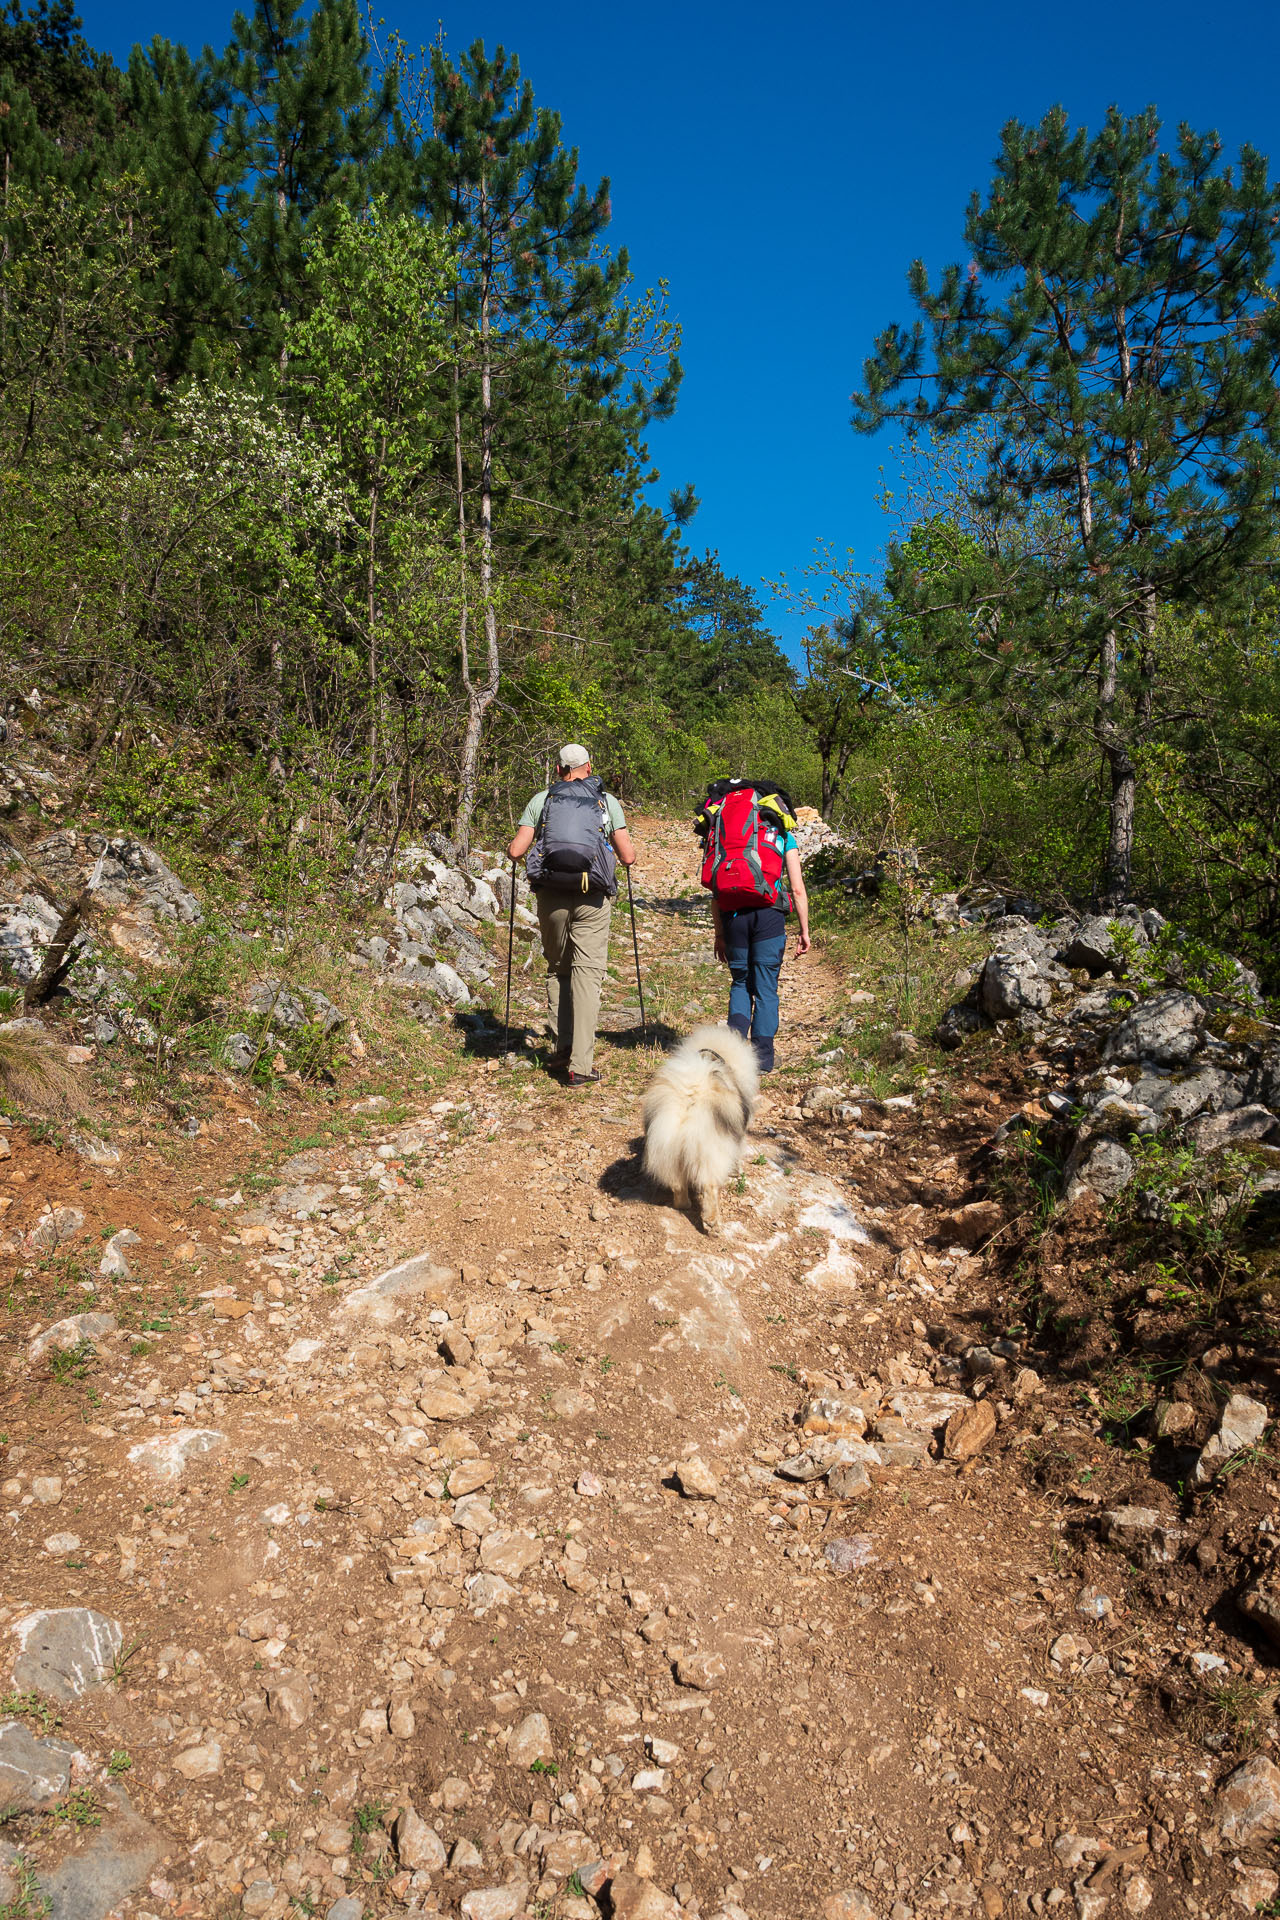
(696, 1114)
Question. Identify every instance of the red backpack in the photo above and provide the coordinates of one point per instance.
(745, 860)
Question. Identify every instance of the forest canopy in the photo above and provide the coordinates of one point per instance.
(325, 400)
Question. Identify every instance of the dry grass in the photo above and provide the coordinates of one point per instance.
(36, 1080)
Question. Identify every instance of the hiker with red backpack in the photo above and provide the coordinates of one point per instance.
(574, 834)
(751, 865)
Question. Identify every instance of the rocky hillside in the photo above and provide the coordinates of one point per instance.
(409, 1512)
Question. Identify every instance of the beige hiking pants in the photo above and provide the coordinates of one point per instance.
(575, 945)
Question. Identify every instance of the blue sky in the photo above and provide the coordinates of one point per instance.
(781, 169)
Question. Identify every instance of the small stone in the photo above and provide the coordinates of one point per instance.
(492, 1903)
(695, 1479)
(466, 1857)
(290, 1701)
(258, 1896)
(47, 1489)
(349, 1907)
(840, 1418)
(1091, 1902)
(114, 1263)
(705, 1671)
(1143, 1534)
(849, 1483)
(634, 1898)
(530, 1741)
(54, 1230)
(1174, 1419)
(589, 1485)
(200, 1763)
(1138, 1894)
(510, 1554)
(62, 1543)
(455, 1793)
(403, 1722)
(848, 1905)
(418, 1846)
(849, 1552)
(438, 1403)
(968, 1432)
(468, 1475)
(1255, 1887)
(1249, 1803)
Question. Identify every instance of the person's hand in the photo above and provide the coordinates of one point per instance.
(803, 942)
(721, 953)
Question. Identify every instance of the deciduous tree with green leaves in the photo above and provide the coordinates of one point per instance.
(1114, 330)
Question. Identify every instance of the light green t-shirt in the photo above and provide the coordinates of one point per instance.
(533, 812)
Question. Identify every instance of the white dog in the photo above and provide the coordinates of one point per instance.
(696, 1114)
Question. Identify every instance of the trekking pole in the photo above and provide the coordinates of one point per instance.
(635, 948)
(511, 940)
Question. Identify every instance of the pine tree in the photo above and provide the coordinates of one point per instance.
(1115, 330)
(173, 142)
(544, 308)
(302, 126)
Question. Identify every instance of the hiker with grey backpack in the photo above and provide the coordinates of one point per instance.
(574, 833)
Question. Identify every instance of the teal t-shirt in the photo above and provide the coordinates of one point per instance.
(533, 812)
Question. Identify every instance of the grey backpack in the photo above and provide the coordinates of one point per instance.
(571, 853)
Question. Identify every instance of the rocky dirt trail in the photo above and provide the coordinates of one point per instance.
(480, 1537)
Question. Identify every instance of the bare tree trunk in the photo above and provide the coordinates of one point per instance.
(480, 696)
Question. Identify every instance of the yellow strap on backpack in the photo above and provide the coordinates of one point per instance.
(769, 802)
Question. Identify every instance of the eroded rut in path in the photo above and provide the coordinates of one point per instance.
(443, 1562)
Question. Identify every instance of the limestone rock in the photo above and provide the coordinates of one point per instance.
(203, 1762)
(695, 1479)
(77, 1330)
(705, 1671)
(530, 1741)
(416, 1279)
(493, 1903)
(510, 1554)
(33, 1773)
(848, 1905)
(1242, 1425)
(1261, 1604)
(290, 1700)
(840, 1417)
(63, 1651)
(1249, 1803)
(1142, 1534)
(1101, 1166)
(417, 1844)
(168, 1455)
(631, 1898)
(99, 1879)
(969, 1431)
(55, 1229)
(469, 1475)
(114, 1262)
(1240, 1128)
(1012, 984)
(1166, 1028)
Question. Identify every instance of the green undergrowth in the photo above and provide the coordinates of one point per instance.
(884, 946)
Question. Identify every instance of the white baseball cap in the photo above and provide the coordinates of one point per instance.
(573, 756)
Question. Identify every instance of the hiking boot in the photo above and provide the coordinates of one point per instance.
(583, 1079)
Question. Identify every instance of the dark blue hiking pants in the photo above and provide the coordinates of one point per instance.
(755, 941)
